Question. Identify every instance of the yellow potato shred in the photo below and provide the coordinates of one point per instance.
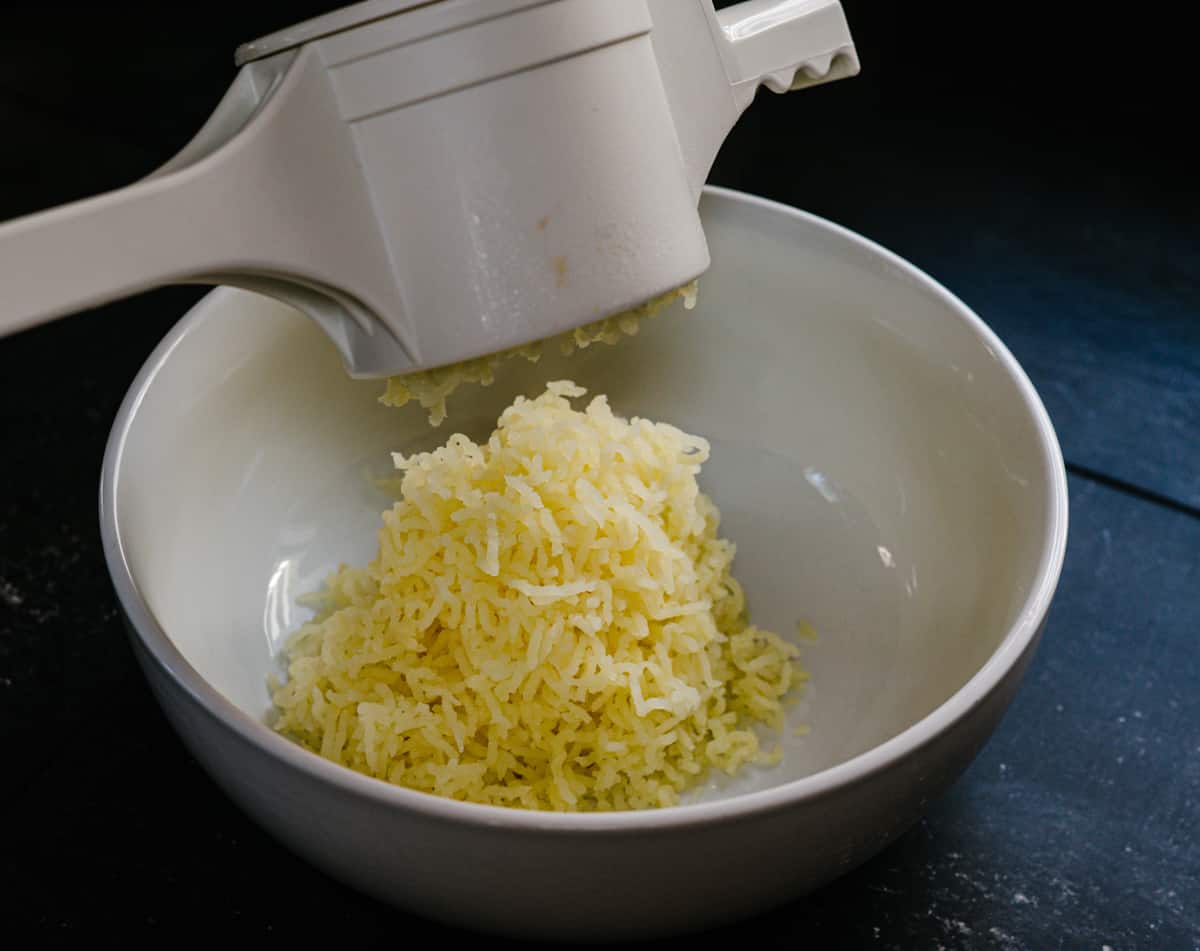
(431, 388)
(550, 623)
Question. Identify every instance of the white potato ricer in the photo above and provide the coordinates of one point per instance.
(433, 181)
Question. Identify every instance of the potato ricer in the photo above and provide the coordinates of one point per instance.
(433, 181)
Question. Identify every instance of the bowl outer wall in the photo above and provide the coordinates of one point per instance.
(579, 884)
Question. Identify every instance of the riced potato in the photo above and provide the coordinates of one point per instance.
(550, 622)
(431, 388)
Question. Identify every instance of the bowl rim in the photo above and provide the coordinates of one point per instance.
(1021, 635)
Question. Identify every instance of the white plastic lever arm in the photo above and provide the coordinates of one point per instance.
(94, 251)
(256, 200)
(785, 44)
(713, 62)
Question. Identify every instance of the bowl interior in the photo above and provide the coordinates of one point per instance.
(874, 458)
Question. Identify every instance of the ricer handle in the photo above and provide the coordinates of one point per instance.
(220, 212)
(114, 245)
(784, 44)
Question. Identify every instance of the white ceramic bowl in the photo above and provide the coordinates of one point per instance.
(881, 461)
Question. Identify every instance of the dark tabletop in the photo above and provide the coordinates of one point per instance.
(1040, 167)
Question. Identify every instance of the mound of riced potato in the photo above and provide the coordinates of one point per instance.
(550, 623)
(431, 388)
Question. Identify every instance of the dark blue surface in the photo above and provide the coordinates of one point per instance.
(1068, 220)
